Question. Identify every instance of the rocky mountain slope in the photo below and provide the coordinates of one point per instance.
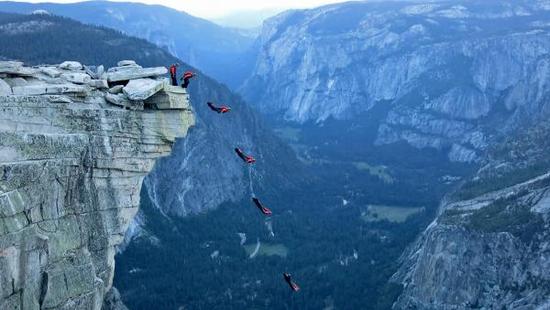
(447, 75)
(488, 248)
(198, 42)
(71, 170)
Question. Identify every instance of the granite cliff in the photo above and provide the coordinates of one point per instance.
(446, 75)
(75, 145)
(488, 248)
(457, 77)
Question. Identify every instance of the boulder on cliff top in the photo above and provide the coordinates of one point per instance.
(131, 73)
(72, 79)
(127, 63)
(77, 77)
(70, 65)
(142, 89)
(51, 72)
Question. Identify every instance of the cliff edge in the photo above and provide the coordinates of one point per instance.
(75, 145)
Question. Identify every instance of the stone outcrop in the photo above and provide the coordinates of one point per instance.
(173, 97)
(71, 170)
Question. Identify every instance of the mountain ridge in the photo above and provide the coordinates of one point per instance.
(434, 68)
(196, 41)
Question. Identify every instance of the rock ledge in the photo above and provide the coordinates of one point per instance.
(71, 170)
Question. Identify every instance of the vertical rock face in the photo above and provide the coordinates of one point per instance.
(489, 248)
(490, 252)
(71, 170)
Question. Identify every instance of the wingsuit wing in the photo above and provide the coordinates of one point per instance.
(240, 154)
(213, 107)
(247, 159)
(293, 286)
(259, 205)
(188, 74)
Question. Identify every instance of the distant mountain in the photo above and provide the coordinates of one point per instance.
(448, 75)
(214, 49)
(432, 92)
(247, 19)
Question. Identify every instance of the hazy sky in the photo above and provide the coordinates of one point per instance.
(212, 9)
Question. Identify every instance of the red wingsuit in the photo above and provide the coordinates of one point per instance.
(293, 286)
(246, 158)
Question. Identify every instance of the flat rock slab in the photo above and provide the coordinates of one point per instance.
(125, 63)
(15, 68)
(132, 73)
(59, 99)
(171, 98)
(77, 77)
(142, 89)
(116, 69)
(5, 88)
(71, 65)
(51, 72)
(10, 65)
(45, 89)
